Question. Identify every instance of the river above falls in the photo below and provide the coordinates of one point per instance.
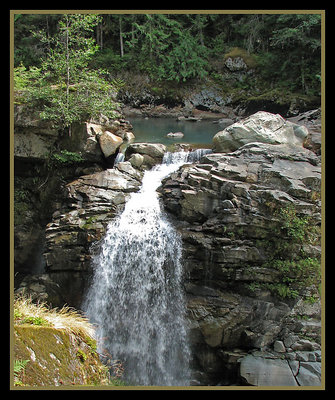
(155, 130)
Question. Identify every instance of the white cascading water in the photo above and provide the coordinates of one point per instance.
(136, 297)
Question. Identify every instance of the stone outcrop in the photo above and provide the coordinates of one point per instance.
(99, 140)
(212, 100)
(41, 287)
(54, 348)
(88, 204)
(35, 139)
(229, 211)
(56, 358)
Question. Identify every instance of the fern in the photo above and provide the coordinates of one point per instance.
(19, 367)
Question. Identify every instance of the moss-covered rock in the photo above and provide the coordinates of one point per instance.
(56, 357)
(54, 347)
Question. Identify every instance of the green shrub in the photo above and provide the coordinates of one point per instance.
(65, 157)
(296, 269)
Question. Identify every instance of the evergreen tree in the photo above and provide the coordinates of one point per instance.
(169, 51)
(297, 41)
(68, 89)
(172, 47)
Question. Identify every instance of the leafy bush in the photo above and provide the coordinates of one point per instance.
(297, 271)
(299, 229)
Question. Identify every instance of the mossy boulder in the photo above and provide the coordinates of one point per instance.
(54, 347)
(56, 357)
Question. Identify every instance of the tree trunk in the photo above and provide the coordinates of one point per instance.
(99, 33)
(201, 37)
(67, 63)
(132, 28)
(121, 38)
(67, 67)
(302, 71)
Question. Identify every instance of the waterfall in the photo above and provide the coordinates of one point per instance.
(196, 155)
(119, 158)
(184, 157)
(136, 297)
(121, 154)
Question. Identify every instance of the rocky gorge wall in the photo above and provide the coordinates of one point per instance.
(249, 217)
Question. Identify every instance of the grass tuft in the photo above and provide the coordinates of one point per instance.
(66, 318)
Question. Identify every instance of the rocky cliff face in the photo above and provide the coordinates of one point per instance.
(250, 225)
(46, 160)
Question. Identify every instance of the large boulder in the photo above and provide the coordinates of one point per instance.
(151, 154)
(271, 368)
(261, 127)
(109, 143)
(235, 64)
(155, 150)
(259, 371)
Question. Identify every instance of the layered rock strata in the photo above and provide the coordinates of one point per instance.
(229, 212)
